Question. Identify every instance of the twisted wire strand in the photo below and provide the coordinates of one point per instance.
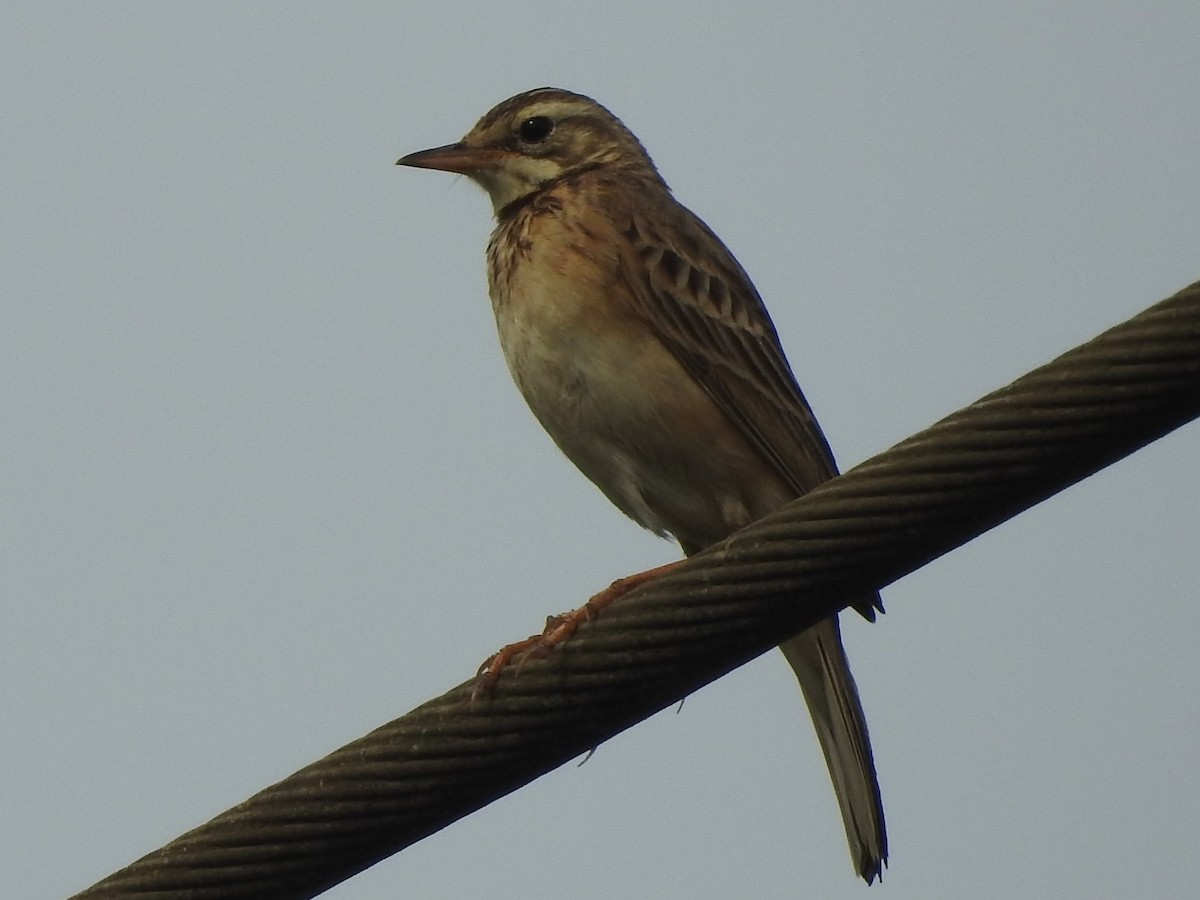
(883, 519)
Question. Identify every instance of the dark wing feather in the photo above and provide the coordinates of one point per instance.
(708, 314)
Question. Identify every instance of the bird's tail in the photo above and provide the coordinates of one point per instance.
(820, 664)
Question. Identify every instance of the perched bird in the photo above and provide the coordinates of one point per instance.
(643, 348)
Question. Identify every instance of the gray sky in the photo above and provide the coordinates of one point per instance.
(266, 484)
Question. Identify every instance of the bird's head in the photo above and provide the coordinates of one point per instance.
(534, 139)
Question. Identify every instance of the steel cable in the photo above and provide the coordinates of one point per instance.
(881, 520)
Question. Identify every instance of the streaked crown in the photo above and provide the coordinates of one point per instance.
(535, 138)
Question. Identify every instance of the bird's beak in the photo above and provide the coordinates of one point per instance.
(453, 158)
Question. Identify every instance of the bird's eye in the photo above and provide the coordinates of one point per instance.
(536, 129)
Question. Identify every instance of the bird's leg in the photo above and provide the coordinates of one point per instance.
(559, 628)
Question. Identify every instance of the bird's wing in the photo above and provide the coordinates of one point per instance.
(706, 311)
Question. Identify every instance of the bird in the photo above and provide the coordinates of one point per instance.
(643, 348)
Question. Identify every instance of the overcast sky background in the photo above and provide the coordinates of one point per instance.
(265, 483)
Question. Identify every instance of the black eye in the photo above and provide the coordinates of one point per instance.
(536, 129)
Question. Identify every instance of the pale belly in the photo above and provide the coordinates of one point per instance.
(622, 408)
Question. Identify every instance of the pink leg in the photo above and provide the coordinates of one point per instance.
(559, 628)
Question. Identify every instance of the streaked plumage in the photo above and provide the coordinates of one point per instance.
(645, 351)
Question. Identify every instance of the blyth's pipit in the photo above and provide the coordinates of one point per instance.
(645, 351)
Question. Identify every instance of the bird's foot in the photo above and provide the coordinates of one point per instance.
(558, 629)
